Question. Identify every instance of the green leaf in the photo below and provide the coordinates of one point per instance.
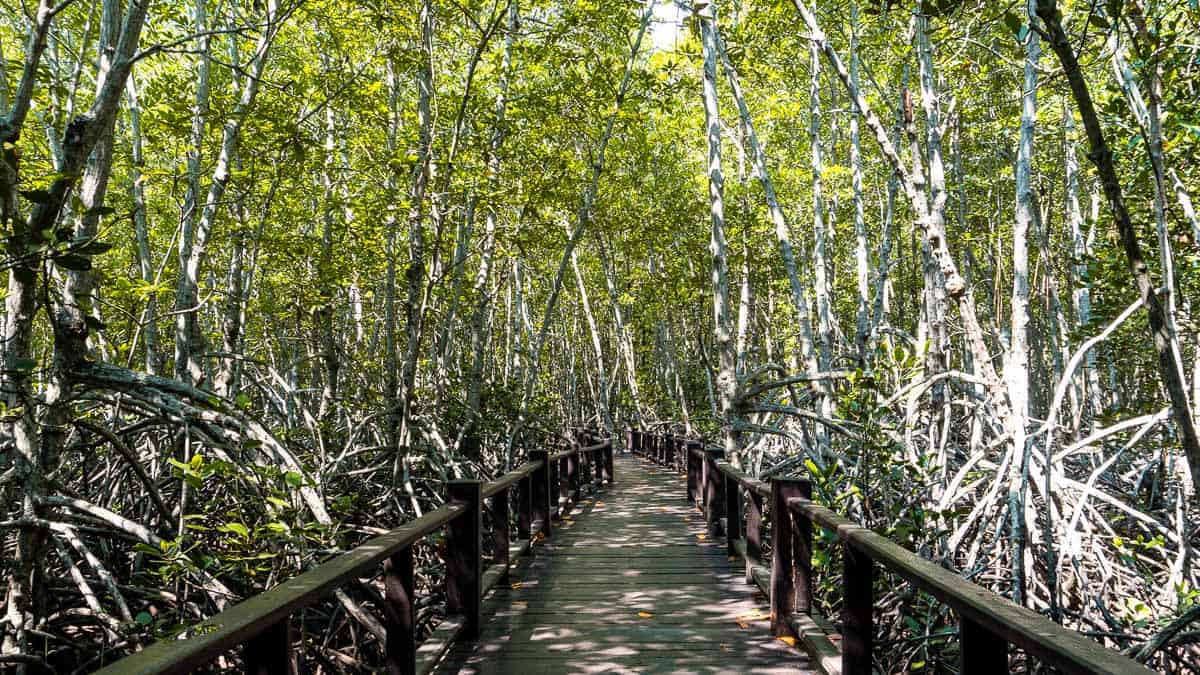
(236, 528)
(36, 196)
(144, 618)
(1013, 22)
(294, 479)
(146, 548)
(94, 248)
(72, 261)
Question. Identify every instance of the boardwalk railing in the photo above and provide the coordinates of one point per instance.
(261, 623)
(733, 504)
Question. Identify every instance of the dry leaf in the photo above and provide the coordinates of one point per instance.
(515, 585)
(733, 558)
(724, 647)
(743, 624)
(700, 537)
(787, 640)
(645, 615)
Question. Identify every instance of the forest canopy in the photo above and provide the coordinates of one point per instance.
(277, 270)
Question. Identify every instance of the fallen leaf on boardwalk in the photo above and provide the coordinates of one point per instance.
(700, 537)
(645, 615)
(515, 585)
(540, 536)
(732, 558)
(787, 640)
(599, 503)
(742, 624)
(724, 647)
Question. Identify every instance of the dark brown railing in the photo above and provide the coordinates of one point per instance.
(733, 502)
(261, 623)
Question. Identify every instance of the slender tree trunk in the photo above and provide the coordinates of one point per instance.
(727, 380)
(881, 308)
(861, 255)
(185, 293)
(193, 246)
(415, 273)
(469, 439)
(153, 358)
(1101, 156)
(1016, 367)
(624, 342)
(602, 375)
(778, 219)
(583, 218)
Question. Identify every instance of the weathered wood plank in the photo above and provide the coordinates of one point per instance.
(634, 584)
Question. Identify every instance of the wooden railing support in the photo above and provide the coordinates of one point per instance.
(270, 652)
(562, 478)
(498, 506)
(399, 596)
(464, 559)
(574, 477)
(524, 508)
(791, 555)
(989, 624)
(858, 610)
(693, 473)
(754, 514)
(733, 513)
(981, 652)
(541, 492)
(714, 505)
(607, 476)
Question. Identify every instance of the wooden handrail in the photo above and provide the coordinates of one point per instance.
(261, 622)
(989, 623)
(1062, 648)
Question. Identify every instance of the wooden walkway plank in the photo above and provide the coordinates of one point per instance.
(632, 583)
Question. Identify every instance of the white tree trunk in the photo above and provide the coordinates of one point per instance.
(727, 381)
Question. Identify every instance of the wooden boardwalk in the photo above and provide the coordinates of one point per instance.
(633, 586)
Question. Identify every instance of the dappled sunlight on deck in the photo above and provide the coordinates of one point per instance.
(634, 584)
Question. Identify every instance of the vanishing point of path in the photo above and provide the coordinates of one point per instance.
(629, 583)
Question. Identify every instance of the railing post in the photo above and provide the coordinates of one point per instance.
(524, 507)
(714, 505)
(980, 652)
(733, 514)
(398, 593)
(574, 475)
(753, 534)
(628, 440)
(498, 505)
(464, 562)
(540, 492)
(562, 475)
(693, 474)
(791, 554)
(608, 463)
(270, 652)
(858, 606)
